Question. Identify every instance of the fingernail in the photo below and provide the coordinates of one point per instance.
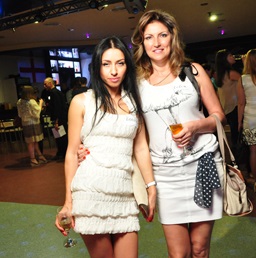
(149, 219)
(84, 157)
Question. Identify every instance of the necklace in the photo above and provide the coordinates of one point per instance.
(161, 80)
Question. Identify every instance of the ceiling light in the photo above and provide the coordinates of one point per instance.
(135, 6)
(38, 18)
(222, 32)
(212, 17)
(93, 4)
(96, 5)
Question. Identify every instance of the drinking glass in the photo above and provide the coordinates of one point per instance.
(64, 217)
(176, 128)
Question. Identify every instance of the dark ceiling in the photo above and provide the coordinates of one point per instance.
(11, 7)
(83, 26)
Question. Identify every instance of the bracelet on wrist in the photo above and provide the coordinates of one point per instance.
(151, 184)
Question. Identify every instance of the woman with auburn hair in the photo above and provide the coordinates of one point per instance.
(168, 98)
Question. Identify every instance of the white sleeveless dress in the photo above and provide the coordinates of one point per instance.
(176, 175)
(249, 120)
(102, 193)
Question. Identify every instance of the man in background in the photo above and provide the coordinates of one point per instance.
(58, 112)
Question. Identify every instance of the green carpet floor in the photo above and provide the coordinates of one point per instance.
(28, 231)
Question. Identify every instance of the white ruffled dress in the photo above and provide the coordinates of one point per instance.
(102, 193)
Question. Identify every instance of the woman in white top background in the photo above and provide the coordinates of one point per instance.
(247, 107)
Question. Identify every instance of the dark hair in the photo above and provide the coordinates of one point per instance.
(207, 66)
(222, 66)
(83, 81)
(129, 84)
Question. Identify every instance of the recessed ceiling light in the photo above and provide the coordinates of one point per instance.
(212, 17)
(71, 29)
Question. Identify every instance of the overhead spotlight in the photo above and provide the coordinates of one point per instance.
(99, 6)
(93, 4)
(212, 17)
(135, 6)
(39, 18)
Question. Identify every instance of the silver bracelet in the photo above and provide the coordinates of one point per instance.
(151, 184)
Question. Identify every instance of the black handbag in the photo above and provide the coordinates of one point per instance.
(17, 122)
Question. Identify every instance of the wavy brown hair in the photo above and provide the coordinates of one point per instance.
(141, 59)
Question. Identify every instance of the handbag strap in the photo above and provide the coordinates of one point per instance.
(222, 138)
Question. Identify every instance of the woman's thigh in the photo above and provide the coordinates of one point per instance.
(178, 240)
(99, 246)
(124, 242)
(200, 235)
(110, 246)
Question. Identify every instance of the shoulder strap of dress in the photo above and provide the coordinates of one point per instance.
(89, 102)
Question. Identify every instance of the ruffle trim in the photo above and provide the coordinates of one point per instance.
(106, 225)
(93, 178)
(100, 205)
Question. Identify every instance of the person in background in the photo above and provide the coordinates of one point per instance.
(82, 86)
(247, 107)
(108, 120)
(209, 70)
(178, 159)
(58, 109)
(227, 78)
(29, 111)
(40, 143)
(211, 73)
(69, 93)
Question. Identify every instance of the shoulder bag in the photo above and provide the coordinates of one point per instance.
(235, 199)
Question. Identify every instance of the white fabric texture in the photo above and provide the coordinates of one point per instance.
(249, 121)
(174, 173)
(103, 200)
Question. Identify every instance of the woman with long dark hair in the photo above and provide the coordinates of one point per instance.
(108, 120)
(227, 78)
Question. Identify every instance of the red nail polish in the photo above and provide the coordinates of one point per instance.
(84, 157)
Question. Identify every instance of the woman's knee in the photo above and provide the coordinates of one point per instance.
(200, 250)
